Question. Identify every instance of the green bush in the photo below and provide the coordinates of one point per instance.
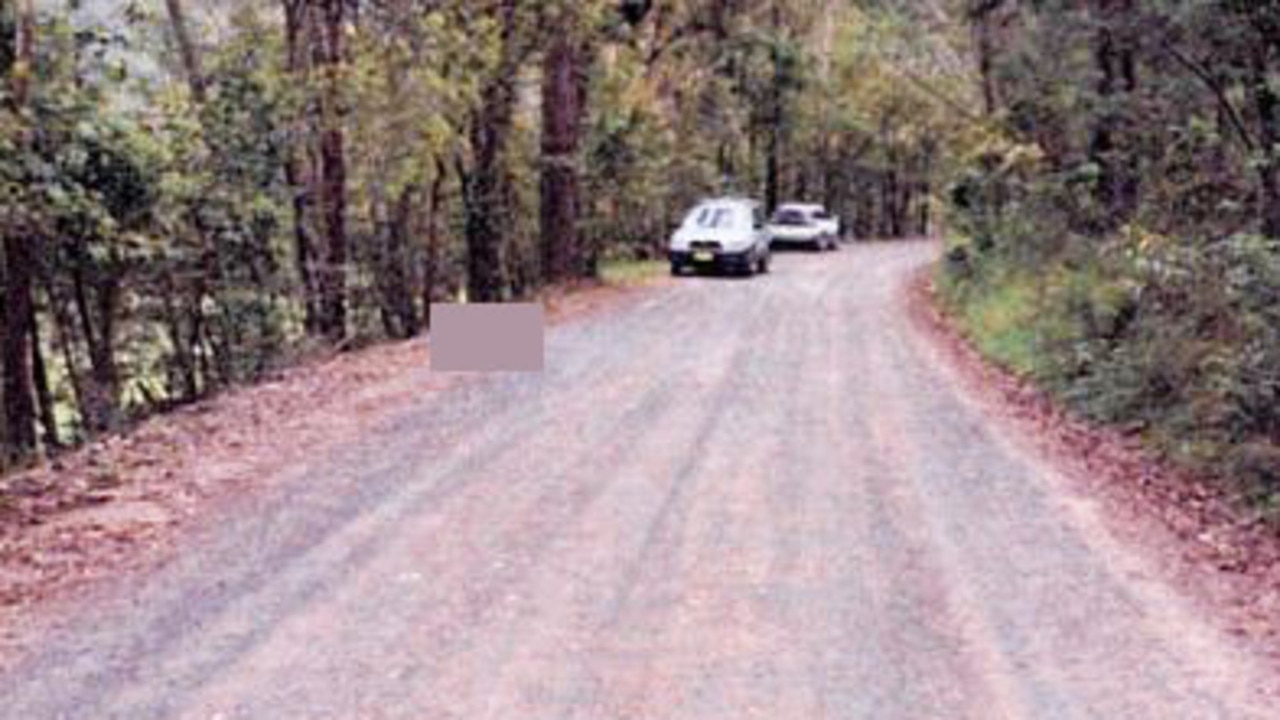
(1176, 339)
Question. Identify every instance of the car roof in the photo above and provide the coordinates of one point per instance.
(803, 207)
(748, 202)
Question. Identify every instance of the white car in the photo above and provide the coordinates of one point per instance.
(727, 234)
(808, 225)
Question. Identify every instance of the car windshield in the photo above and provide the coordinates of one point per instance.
(712, 217)
(794, 218)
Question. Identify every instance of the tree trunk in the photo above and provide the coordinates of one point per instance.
(20, 253)
(431, 259)
(64, 337)
(982, 21)
(486, 208)
(1115, 58)
(331, 53)
(399, 318)
(1267, 103)
(44, 394)
(299, 28)
(563, 109)
(97, 322)
(190, 54)
(19, 403)
(184, 383)
(773, 161)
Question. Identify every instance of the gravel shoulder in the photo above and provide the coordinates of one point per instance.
(732, 499)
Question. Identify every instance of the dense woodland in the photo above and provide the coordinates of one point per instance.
(1118, 235)
(198, 193)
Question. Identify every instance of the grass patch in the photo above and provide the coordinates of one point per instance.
(632, 272)
(1001, 321)
(1000, 317)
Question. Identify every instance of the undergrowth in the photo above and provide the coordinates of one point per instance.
(1178, 343)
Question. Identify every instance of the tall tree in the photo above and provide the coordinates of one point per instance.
(982, 21)
(564, 106)
(777, 110)
(487, 208)
(1263, 19)
(1115, 54)
(330, 58)
(299, 29)
(19, 264)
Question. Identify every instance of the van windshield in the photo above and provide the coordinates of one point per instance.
(791, 218)
(711, 218)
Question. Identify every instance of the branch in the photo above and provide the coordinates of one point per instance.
(1224, 102)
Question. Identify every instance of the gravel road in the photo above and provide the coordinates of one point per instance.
(733, 499)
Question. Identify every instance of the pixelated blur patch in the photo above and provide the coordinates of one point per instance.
(488, 338)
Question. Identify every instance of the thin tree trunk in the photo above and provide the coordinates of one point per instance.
(1114, 57)
(64, 335)
(333, 172)
(190, 54)
(44, 395)
(431, 260)
(19, 265)
(399, 318)
(101, 396)
(1267, 103)
(299, 174)
(186, 385)
(19, 403)
(563, 108)
(981, 18)
(773, 148)
(487, 211)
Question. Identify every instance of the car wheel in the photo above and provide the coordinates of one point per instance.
(677, 269)
(764, 264)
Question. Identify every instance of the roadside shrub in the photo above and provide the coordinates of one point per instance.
(1174, 338)
(1256, 466)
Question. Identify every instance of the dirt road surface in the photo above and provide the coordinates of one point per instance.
(735, 499)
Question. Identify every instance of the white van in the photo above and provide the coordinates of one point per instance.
(727, 234)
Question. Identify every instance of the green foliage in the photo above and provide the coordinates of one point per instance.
(997, 315)
(1124, 248)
